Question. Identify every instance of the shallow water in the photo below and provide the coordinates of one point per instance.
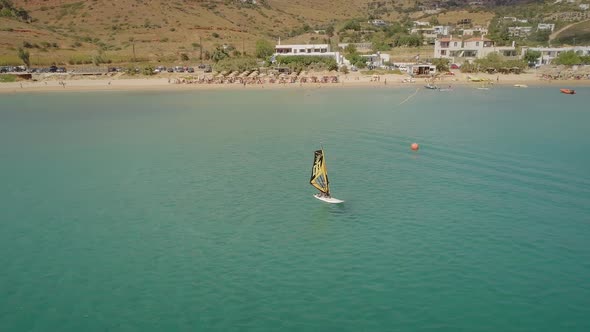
(192, 211)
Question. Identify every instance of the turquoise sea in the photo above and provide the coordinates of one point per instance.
(192, 211)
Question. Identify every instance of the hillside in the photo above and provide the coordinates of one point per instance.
(160, 29)
(577, 34)
(73, 32)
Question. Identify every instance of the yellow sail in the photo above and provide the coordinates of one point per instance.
(319, 173)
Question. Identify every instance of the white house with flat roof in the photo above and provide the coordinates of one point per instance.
(461, 50)
(546, 26)
(548, 54)
(378, 59)
(519, 31)
(477, 30)
(312, 49)
(308, 50)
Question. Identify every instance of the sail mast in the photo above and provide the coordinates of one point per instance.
(326, 172)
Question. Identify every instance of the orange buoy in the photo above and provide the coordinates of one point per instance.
(414, 146)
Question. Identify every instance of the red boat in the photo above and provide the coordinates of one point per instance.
(568, 91)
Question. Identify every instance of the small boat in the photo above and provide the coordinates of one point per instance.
(319, 178)
(521, 86)
(431, 87)
(568, 91)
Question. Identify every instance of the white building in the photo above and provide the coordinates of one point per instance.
(378, 60)
(361, 47)
(442, 29)
(378, 23)
(458, 50)
(477, 30)
(546, 26)
(519, 31)
(430, 33)
(308, 50)
(548, 54)
(584, 6)
(313, 49)
(514, 19)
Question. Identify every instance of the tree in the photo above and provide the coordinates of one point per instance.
(442, 65)
(330, 31)
(148, 70)
(264, 49)
(350, 49)
(219, 54)
(531, 56)
(568, 58)
(380, 42)
(352, 25)
(24, 56)
(433, 20)
(236, 64)
(184, 57)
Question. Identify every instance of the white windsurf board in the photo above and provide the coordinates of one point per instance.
(330, 200)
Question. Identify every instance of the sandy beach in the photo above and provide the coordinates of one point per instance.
(68, 82)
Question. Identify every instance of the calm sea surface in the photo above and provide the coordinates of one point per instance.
(192, 211)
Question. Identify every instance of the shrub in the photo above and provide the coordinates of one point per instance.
(7, 78)
(236, 64)
(264, 49)
(147, 70)
(300, 62)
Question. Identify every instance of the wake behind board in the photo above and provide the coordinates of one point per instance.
(330, 200)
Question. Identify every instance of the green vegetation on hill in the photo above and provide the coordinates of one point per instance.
(7, 9)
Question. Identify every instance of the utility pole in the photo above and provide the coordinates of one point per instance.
(201, 48)
(132, 40)
(243, 49)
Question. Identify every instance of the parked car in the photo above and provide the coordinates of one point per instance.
(208, 69)
(455, 66)
(190, 69)
(202, 66)
(53, 69)
(170, 70)
(60, 70)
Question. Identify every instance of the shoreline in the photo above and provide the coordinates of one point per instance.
(345, 81)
